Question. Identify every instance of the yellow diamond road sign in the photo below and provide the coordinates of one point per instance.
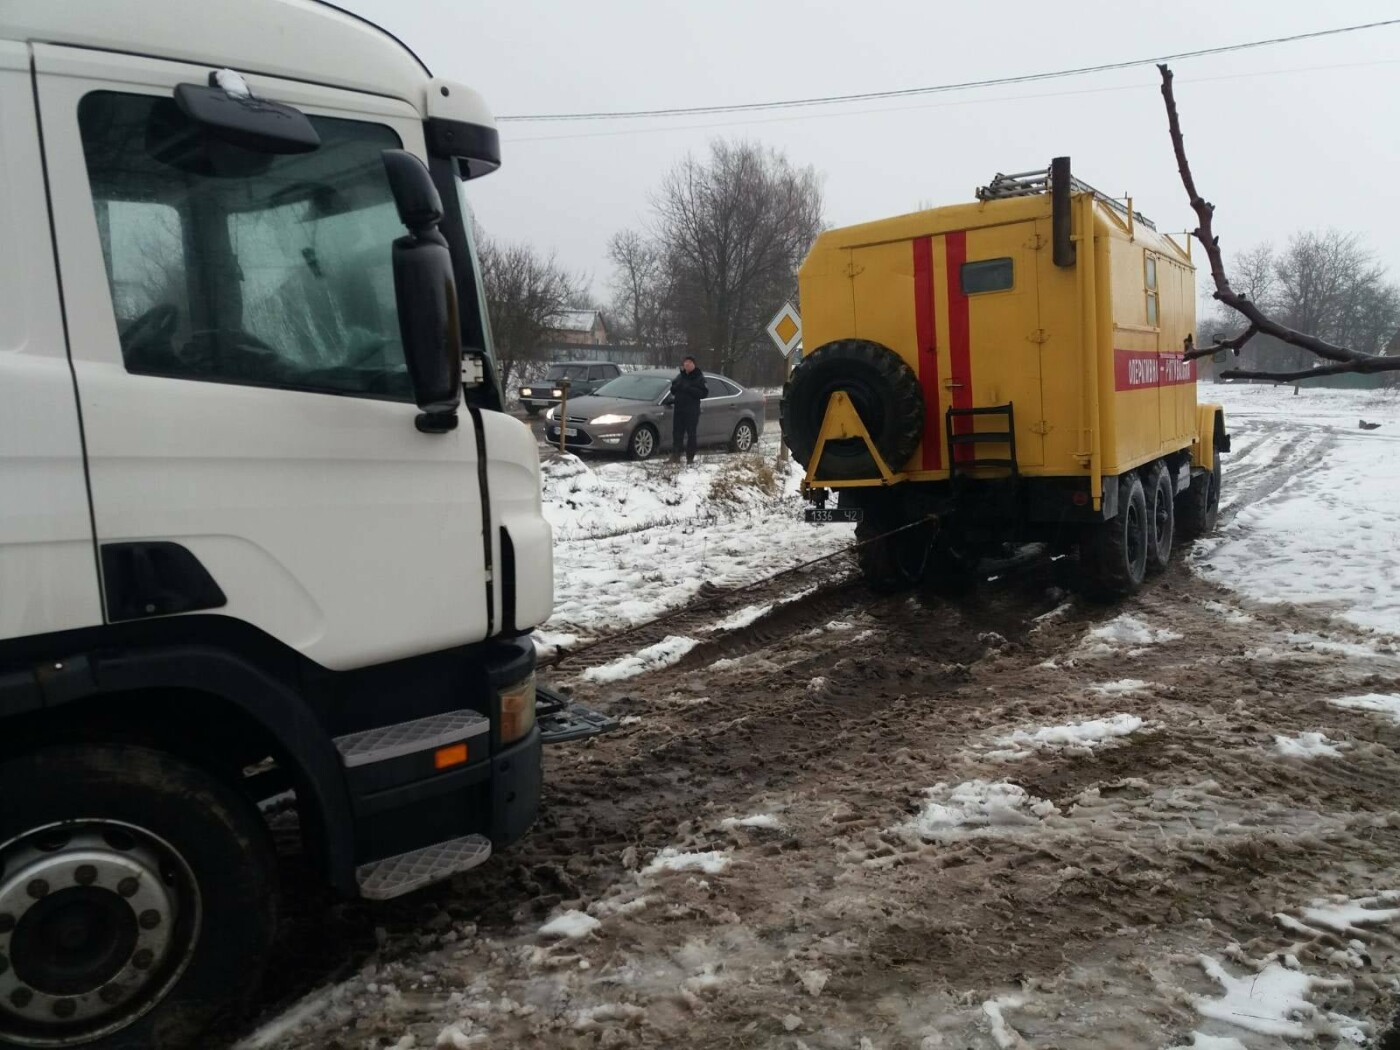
(785, 329)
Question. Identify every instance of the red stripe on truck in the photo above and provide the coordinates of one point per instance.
(927, 335)
(959, 337)
(1143, 369)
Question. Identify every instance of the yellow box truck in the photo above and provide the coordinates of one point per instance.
(1002, 372)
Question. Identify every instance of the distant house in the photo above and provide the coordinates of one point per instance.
(579, 328)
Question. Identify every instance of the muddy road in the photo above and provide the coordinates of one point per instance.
(845, 820)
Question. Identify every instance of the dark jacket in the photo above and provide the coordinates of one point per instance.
(689, 390)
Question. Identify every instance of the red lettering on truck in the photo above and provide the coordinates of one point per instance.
(1140, 369)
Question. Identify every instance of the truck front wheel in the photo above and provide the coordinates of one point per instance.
(1113, 553)
(1198, 508)
(137, 898)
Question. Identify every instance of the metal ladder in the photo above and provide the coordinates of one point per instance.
(974, 438)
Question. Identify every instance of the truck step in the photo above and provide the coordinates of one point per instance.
(404, 738)
(382, 880)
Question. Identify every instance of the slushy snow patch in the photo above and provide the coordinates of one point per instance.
(758, 820)
(1344, 916)
(570, 924)
(654, 657)
(1307, 745)
(1129, 630)
(742, 618)
(1077, 736)
(1122, 687)
(1376, 703)
(307, 1010)
(1273, 1001)
(977, 807)
(711, 862)
(1006, 1037)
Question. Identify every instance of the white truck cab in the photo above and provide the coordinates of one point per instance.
(264, 527)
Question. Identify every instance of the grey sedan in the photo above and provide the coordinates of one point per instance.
(632, 414)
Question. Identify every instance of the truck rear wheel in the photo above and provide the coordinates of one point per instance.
(886, 395)
(1113, 553)
(1198, 508)
(891, 557)
(1161, 516)
(137, 899)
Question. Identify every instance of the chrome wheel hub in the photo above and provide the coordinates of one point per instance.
(97, 920)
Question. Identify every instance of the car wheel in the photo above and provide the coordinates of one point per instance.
(643, 442)
(137, 899)
(743, 438)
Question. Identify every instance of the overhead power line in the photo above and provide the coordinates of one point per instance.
(868, 96)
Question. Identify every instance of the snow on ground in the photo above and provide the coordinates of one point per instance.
(977, 807)
(711, 862)
(1275, 1001)
(1375, 703)
(634, 540)
(758, 820)
(1329, 533)
(1082, 737)
(570, 924)
(1307, 745)
(663, 654)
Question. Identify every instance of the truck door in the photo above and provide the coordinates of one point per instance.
(48, 581)
(234, 340)
(994, 338)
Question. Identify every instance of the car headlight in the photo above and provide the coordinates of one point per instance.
(527, 391)
(550, 414)
(611, 419)
(556, 393)
(517, 710)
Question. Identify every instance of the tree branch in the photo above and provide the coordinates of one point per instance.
(1346, 359)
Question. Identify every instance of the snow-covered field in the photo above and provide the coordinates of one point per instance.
(1325, 533)
(634, 540)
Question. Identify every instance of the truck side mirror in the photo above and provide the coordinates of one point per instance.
(426, 293)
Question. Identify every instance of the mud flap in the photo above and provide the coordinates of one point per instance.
(562, 721)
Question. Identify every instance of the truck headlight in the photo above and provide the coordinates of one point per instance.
(527, 391)
(556, 393)
(518, 710)
(611, 419)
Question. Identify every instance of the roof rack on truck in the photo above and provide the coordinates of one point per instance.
(1033, 183)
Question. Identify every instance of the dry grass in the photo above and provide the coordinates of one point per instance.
(745, 479)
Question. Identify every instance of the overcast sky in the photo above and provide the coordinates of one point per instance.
(1285, 138)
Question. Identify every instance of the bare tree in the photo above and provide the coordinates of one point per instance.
(732, 229)
(1344, 358)
(641, 290)
(526, 292)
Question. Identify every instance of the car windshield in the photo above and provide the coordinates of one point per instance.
(635, 388)
(568, 372)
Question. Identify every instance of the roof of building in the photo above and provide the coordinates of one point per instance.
(576, 320)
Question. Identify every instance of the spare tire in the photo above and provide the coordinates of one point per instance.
(886, 395)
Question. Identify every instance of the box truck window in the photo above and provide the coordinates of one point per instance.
(987, 275)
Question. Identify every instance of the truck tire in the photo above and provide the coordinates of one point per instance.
(1198, 508)
(884, 390)
(1113, 553)
(893, 558)
(1161, 516)
(137, 899)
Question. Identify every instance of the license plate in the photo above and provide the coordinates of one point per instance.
(571, 432)
(824, 516)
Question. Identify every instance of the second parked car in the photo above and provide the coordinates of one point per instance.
(632, 414)
(583, 377)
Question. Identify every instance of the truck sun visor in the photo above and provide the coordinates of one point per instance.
(239, 118)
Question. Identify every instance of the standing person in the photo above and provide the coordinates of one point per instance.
(688, 389)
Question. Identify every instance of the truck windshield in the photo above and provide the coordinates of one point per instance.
(634, 388)
(231, 266)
